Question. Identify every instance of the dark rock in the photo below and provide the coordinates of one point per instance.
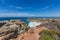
(2, 23)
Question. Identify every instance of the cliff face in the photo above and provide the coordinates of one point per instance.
(18, 30)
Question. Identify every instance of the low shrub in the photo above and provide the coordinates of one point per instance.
(49, 35)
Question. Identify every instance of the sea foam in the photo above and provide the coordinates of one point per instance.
(34, 24)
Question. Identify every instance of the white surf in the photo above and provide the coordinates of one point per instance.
(34, 24)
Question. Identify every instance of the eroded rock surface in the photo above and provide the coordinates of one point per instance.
(11, 29)
(18, 30)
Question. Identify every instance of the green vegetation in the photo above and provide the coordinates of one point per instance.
(49, 35)
(58, 26)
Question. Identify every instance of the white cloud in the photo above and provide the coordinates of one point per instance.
(47, 7)
(28, 15)
(16, 7)
(16, 15)
(19, 7)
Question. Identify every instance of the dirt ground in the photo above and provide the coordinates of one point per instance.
(31, 34)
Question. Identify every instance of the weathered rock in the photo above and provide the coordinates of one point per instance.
(2, 23)
(9, 30)
(24, 26)
(8, 36)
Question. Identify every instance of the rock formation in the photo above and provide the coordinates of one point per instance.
(18, 30)
(11, 29)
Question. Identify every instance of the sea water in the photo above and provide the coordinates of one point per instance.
(24, 19)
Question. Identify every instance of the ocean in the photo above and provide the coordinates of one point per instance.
(24, 19)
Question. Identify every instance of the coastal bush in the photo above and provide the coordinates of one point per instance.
(58, 33)
(58, 26)
(49, 35)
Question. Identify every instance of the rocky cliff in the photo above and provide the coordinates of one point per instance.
(10, 30)
(18, 30)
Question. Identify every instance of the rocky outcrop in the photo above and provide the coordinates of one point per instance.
(18, 30)
(11, 29)
(2, 23)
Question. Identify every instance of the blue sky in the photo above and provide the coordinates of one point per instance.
(27, 8)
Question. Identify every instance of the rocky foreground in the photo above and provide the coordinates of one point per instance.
(18, 30)
(10, 29)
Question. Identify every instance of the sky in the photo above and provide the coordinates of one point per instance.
(29, 8)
